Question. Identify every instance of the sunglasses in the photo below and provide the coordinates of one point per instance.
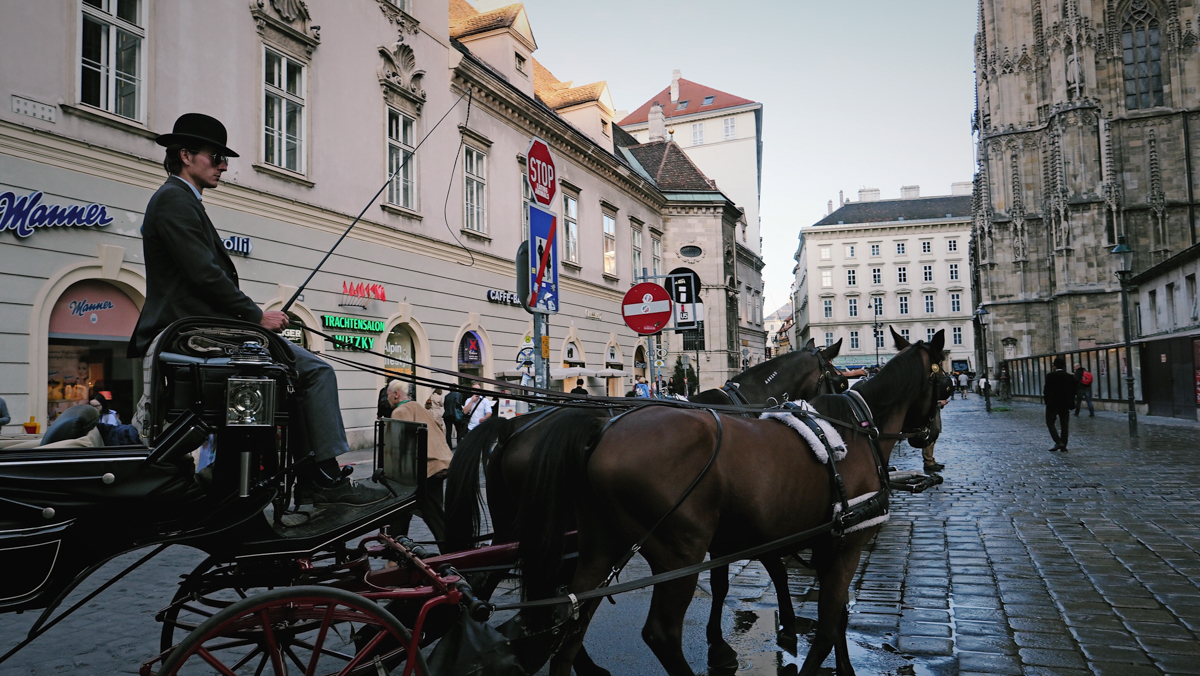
(217, 160)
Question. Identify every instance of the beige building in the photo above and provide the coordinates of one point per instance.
(899, 263)
(323, 100)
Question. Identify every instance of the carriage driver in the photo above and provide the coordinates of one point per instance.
(189, 274)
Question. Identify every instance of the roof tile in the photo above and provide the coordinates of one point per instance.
(954, 206)
(692, 92)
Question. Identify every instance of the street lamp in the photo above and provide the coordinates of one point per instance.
(984, 317)
(1124, 270)
(878, 326)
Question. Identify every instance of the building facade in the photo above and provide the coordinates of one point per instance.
(722, 134)
(326, 102)
(1167, 315)
(899, 263)
(1086, 116)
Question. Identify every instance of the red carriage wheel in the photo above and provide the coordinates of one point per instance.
(298, 630)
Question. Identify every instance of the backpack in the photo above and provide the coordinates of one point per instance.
(1086, 379)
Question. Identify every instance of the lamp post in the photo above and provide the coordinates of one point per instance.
(1124, 270)
(877, 303)
(984, 317)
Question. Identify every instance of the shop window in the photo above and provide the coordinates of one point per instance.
(573, 355)
(470, 354)
(399, 350)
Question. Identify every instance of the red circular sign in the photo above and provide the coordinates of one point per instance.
(539, 166)
(646, 308)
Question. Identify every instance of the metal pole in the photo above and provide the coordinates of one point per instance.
(541, 328)
(1128, 353)
(987, 383)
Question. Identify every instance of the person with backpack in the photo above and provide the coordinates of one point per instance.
(1083, 389)
(452, 415)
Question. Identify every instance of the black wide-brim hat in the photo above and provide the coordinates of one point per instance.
(194, 129)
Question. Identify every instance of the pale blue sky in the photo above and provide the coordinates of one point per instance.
(856, 93)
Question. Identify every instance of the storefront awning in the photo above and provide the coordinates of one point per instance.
(572, 372)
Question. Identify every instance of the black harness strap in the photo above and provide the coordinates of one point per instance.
(734, 392)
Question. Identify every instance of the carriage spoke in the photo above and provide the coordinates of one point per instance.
(287, 650)
(246, 660)
(198, 611)
(323, 651)
(369, 648)
(316, 648)
(214, 662)
(262, 664)
(269, 633)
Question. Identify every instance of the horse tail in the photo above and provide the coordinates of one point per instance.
(547, 511)
(464, 499)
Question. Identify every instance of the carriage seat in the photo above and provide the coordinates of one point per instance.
(74, 428)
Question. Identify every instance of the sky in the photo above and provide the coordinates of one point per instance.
(855, 93)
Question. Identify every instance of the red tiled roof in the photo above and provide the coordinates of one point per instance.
(480, 22)
(671, 169)
(461, 9)
(558, 94)
(692, 92)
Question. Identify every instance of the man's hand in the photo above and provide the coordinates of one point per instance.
(274, 320)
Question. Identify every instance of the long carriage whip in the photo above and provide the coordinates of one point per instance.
(300, 290)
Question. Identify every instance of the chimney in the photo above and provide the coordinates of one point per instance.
(658, 127)
(675, 86)
(868, 195)
(841, 199)
(961, 188)
(830, 211)
(910, 192)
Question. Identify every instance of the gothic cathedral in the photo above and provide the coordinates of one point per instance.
(1087, 112)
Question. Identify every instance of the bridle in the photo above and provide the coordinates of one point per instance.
(827, 383)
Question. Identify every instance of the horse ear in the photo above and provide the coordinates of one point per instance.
(831, 351)
(901, 343)
(812, 342)
(936, 345)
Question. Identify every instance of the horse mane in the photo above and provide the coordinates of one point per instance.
(899, 381)
(763, 370)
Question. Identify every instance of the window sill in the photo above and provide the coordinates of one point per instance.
(573, 267)
(475, 234)
(277, 172)
(611, 278)
(108, 119)
(400, 211)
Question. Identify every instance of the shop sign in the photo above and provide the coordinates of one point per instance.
(503, 297)
(23, 214)
(469, 353)
(353, 342)
(293, 335)
(352, 323)
(238, 245)
(93, 309)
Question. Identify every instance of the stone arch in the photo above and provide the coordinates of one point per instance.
(306, 315)
(572, 337)
(472, 324)
(421, 351)
(613, 343)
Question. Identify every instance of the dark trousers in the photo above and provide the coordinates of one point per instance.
(1084, 392)
(431, 508)
(1063, 416)
(460, 431)
(321, 428)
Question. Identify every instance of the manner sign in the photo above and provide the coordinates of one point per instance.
(539, 166)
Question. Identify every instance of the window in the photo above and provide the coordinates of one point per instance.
(635, 250)
(693, 339)
(849, 251)
(877, 303)
(905, 335)
(520, 63)
(828, 308)
(954, 272)
(878, 338)
(475, 184)
(851, 278)
(903, 305)
(853, 304)
(929, 334)
(610, 244)
(283, 112)
(1171, 323)
(1137, 311)
(929, 303)
(899, 248)
(404, 5)
(952, 245)
(955, 302)
(698, 134)
(957, 333)
(826, 253)
(827, 278)
(401, 189)
(730, 128)
(926, 246)
(1142, 58)
(877, 275)
(111, 56)
(682, 105)
(708, 100)
(854, 340)
(604, 128)
(828, 338)
(902, 274)
(655, 256)
(927, 273)
(1190, 281)
(526, 200)
(571, 228)
(874, 249)
(1154, 310)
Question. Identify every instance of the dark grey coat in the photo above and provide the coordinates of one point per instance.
(188, 271)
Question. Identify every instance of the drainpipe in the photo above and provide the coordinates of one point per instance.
(1187, 167)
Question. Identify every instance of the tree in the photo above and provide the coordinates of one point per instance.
(693, 384)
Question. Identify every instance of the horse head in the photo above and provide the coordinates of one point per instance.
(802, 374)
(934, 386)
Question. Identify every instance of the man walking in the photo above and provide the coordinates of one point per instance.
(963, 381)
(1059, 396)
(478, 408)
(579, 389)
(452, 416)
(1083, 389)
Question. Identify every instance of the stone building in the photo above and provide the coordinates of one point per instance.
(1086, 112)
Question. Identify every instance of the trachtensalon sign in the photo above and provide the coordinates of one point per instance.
(23, 214)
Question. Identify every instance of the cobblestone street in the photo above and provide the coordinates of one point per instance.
(1022, 562)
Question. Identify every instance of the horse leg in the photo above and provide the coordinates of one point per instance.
(584, 666)
(719, 652)
(787, 615)
(663, 630)
(834, 573)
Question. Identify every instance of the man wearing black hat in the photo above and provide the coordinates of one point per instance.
(189, 274)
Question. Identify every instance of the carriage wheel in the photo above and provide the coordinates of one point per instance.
(299, 630)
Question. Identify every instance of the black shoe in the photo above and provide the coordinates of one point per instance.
(346, 492)
(1091, 415)
(1057, 447)
(1076, 414)
(1063, 448)
(935, 467)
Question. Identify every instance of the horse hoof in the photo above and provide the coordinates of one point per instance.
(591, 670)
(721, 656)
(787, 641)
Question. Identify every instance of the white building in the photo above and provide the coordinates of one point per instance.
(773, 322)
(901, 263)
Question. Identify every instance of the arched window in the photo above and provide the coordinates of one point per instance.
(1142, 56)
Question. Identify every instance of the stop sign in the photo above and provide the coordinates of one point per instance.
(646, 308)
(539, 166)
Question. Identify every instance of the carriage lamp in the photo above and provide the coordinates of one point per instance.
(250, 402)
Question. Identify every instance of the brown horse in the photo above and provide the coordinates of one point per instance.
(764, 483)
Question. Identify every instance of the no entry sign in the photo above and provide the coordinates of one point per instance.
(539, 166)
(646, 308)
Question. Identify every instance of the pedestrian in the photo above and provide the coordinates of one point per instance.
(383, 408)
(671, 386)
(579, 389)
(963, 381)
(452, 416)
(642, 388)
(189, 274)
(478, 408)
(1083, 389)
(5, 418)
(431, 505)
(107, 415)
(395, 394)
(1059, 396)
(436, 406)
(935, 426)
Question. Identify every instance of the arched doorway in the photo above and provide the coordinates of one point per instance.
(88, 334)
(295, 332)
(399, 348)
(470, 354)
(639, 362)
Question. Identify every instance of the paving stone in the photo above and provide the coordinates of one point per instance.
(908, 628)
(1110, 653)
(988, 663)
(977, 601)
(1041, 657)
(1028, 639)
(926, 645)
(1178, 664)
(1100, 668)
(986, 644)
(926, 615)
(1155, 630)
(1037, 624)
(1156, 646)
(981, 628)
